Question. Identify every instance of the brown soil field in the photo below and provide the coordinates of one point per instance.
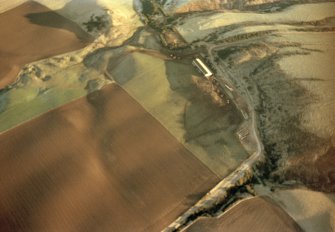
(317, 172)
(100, 163)
(255, 214)
(32, 32)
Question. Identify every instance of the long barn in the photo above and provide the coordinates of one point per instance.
(202, 67)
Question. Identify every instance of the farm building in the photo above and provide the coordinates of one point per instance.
(197, 62)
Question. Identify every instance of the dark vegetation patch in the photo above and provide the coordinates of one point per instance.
(281, 104)
(149, 7)
(4, 100)
(96, 23)
(224, 53)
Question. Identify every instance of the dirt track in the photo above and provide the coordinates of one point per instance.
(256, 214)
(31, 32)
(101, 163)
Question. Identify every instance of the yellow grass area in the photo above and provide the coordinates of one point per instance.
(35, 97)
(313, 211)
(167, 91)
(318, 117)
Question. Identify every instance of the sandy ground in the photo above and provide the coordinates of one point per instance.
(313, 211)
(187, 6)
(101, 163)
(198, 27)
(182, 6)
(31, 32)
(254, 214)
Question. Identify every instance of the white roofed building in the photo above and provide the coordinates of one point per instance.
(202, 67)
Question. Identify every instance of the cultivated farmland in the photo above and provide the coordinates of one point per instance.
(168, 91)
(101, 163)
(38, 28)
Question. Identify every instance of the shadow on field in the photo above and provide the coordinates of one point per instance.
(55, 20)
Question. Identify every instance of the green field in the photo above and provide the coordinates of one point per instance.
(33, 97)
(166, 90)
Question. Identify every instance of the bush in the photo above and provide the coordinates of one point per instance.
(96, 23)
(149, 7)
